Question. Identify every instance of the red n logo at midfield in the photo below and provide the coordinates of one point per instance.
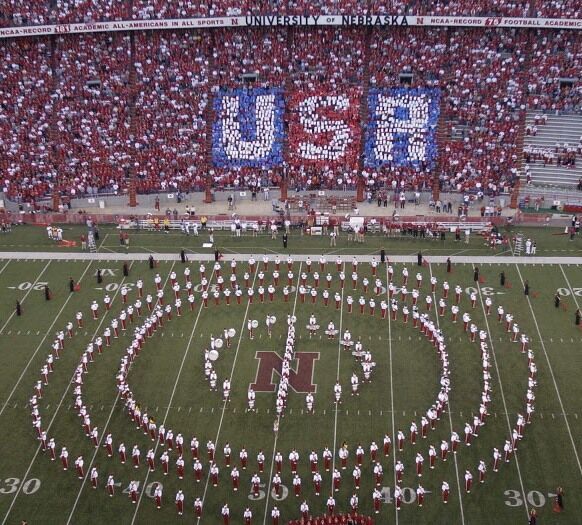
(300, 380)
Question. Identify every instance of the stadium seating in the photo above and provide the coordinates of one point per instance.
(26, 87)
(172, 107)
(171, 99)
(485, 98)
(555, 56)
(36, 12)
(91, 108)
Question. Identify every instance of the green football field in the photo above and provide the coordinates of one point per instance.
(168, 381)
(550, 242)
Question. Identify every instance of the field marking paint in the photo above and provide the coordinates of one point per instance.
(40, 344)
(103, 242)
(4, 267)
(551, 369)
(460, 493)
(103, 317)
(515, 455)
(572, 294)
(339, 354)
(268, 493)
(25, 296)
(188, 345)
(394, 447)
(241, 332)
(102, 437)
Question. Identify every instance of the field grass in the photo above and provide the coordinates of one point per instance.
(169, 381)
(550, 242)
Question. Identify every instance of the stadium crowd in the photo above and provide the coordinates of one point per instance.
(102, 106)
(37, 12)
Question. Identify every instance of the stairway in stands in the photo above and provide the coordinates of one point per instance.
(558, 128)
(364, 111)
(209, 109)
(444, 124)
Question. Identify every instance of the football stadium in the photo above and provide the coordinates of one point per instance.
(290, 263)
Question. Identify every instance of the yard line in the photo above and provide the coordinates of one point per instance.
(551, 369)
(570, 287)
(171, 396)
(268, 493)
(4, 267)
(492, 346)
(339, 354)
(102, 243)
(434, 302)
(104, 433)
(241, 332)
(24, 478)
(394, 447)
(40, 344)
(25, 295)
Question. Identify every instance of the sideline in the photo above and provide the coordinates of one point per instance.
(467, 259)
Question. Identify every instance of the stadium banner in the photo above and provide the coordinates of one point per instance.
(293, 20)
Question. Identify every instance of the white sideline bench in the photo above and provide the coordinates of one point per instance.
(216, 225)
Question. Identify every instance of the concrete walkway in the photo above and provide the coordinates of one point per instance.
(117, 205)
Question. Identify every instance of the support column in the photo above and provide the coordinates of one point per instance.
(284, 188)
(208, 189)
(514, 204)
(360, 189)
(56, 200)
(436, 187)
(132, 193)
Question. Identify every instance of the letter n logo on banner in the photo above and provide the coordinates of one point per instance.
(300, 380)
(248, 130)
(402, 127)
